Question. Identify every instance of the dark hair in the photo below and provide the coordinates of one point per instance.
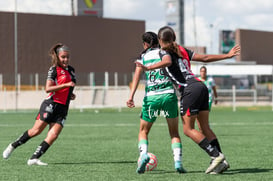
(151, 39)
(203, 67)
(167, 35)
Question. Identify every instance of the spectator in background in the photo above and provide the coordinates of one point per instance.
(209, 82)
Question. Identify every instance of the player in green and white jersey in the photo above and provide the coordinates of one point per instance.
(209, 82)
(160, 100)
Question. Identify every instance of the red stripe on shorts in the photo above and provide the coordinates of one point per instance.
(188, 112)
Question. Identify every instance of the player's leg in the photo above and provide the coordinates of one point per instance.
(176, 144)
(216, 158)
(204, 124)
(53, 133)
(149, 113)
(144, 130)
(189, 128)
(202, 141)
(209, 133)
(37, 128)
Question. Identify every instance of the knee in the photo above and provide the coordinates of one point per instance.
(34, 132)
(187, 132)
(52, 136)
(144, 131)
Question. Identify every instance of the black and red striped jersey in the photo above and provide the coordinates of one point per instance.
(179, 71)
(187, 56)
(61, 76)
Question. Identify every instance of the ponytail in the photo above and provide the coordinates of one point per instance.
(173, 48)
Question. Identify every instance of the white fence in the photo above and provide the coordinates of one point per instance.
(116, 97)
(235, 96)
(86, 97)
(112, 94)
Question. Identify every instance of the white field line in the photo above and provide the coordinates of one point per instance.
(137, 124)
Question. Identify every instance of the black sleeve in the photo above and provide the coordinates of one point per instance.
(162, 53)
(52, 73)
(72, 73)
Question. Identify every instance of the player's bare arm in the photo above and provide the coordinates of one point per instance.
(212, 58)
(138, 71)
(51, 87)
(166, 62)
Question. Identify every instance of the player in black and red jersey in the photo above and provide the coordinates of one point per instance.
(53, 111)
(189, 56)
(194, 94)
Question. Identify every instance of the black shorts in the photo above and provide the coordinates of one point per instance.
(52, 112)
(194, 98)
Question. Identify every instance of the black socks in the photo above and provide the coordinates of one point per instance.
(21, 140)
(211, 150)
(40, 150)
(216, 144)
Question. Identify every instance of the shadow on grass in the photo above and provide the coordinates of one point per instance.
(157, 171)
(228, 172)
(93, 162)
(247, 170)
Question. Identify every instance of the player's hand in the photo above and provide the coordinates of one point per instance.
(215, 102)
(138, 64)
(234, 51)
(130, 103)
(73, 96)
(70, 84)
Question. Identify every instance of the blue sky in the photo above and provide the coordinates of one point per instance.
(224, 15)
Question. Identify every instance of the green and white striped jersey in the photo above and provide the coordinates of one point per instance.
(156, 82)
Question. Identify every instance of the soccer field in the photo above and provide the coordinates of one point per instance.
(102, 145)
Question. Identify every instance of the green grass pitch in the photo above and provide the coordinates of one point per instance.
(102, 145)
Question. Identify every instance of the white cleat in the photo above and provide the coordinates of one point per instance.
(215, 162)
(36, 162)
(226, 166)
(223, 166)
(7, 152)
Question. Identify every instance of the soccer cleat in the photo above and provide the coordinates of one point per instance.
(7, 152)
(142, 163)
(215, 162)
(223, 166)
(36, 162)
(226, 166)
(178, 167)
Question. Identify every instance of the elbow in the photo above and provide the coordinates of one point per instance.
(168, 64)
(47, 89)
(206, 58)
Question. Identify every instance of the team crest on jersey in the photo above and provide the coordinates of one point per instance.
(62, 72)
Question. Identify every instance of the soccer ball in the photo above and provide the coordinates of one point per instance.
(152, 164)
